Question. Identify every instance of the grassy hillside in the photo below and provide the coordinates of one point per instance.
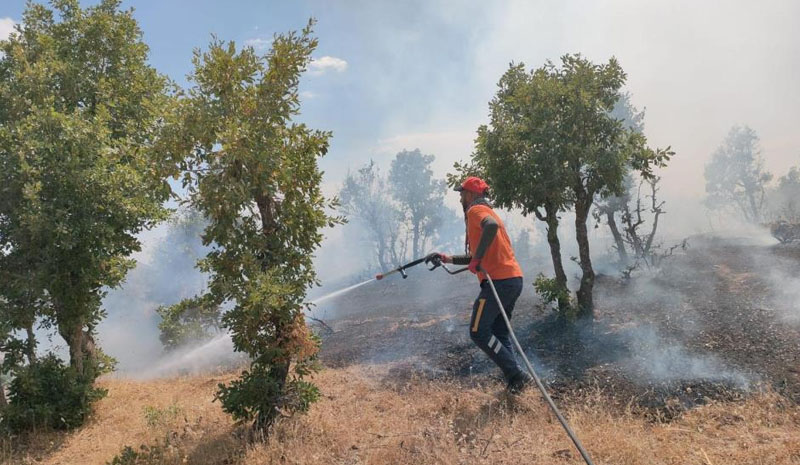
(362, 419)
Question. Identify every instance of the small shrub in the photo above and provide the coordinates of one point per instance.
(550, 292)
(50, 395)
(156, 417)
(146, 455)
(190, 320)
(785, 232)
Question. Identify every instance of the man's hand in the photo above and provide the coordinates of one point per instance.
(439, 256)
(474, 265)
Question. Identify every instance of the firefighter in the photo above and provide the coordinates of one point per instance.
(489, 248)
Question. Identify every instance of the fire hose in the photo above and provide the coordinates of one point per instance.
(436, 261)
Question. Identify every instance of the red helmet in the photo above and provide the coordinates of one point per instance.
(473, 184)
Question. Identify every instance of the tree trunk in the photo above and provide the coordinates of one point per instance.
(74, 338)
(755, 211)
(585, 302)
(82, 351)
(415, 242)
(381, 251)
(3, 401)
(612, 225)
(266, 418)
(631, 227)
(551, 219)
(30, 346)
(649, 244)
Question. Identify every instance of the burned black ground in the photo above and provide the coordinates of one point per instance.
(707, 326)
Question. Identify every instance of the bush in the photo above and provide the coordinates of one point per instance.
(260, 394)
(550, 292)
(50, 395)
(785, 232)
(190, 320)
(157, 417)
(158, 454)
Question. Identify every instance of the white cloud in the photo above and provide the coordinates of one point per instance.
(322, 65)
(6, 27)
(258, 44)
(307, 94)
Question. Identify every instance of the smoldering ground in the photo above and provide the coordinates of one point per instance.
(682, 330)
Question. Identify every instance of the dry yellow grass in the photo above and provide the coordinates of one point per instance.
(361, 420)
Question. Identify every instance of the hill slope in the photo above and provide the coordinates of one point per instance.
(695, 364)
(363, 419)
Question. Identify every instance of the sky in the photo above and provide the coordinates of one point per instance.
(392, 75)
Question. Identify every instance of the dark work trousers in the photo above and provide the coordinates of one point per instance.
(487, 328)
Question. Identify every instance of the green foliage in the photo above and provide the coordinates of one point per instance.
(157, 454)
(552, 144)
(419, 195)
(735, 176)
(128, 456)
(252, 173)
(253, 396)
(551, 291)
(158, 417)
(47, 394)
(12, 348)
(81, 167)
(103, 363)
(190, 320)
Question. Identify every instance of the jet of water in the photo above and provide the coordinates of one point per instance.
(218, 349)
(340, 292)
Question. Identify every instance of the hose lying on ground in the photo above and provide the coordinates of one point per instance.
(539, 384)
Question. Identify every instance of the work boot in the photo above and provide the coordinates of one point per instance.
(519, 382)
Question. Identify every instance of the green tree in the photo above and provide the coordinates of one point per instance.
(785, 197)
(552, 145)
(419, 195)
(523, 171)
(365, 198)
(80, 170)
(735, 176)
(252, 172)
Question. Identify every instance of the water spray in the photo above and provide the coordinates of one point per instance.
(436, 261)
(219, 344)
(341, 291)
